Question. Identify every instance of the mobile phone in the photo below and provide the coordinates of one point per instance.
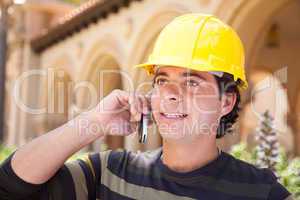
(143, 124)
(143, 127)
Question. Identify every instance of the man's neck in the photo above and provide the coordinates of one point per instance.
(185, 157)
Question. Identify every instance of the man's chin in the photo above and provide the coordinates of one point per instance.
(172, 135)
(181, 136)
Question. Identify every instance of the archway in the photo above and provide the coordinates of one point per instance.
(267, 94)
(101, 73)
(271, 39)
(106, 77)
(58, 97)
(53, 95)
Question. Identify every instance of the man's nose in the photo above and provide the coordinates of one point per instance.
(173, 93)
(172, 97)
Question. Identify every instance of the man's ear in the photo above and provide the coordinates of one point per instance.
(228, 101)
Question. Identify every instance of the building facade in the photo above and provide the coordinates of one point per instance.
(92, 50)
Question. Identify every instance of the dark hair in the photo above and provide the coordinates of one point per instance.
(226, 84)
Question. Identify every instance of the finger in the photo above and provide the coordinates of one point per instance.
(151, 120)
(145, 104)
(148, 95)
(125, 128)
(129, 128)
(123, 97)
(135, 108)
(140, 103)
(133, 127)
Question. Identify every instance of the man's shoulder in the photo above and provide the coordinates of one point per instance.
(241, 171)
(247, 177)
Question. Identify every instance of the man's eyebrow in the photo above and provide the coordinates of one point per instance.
(159, 74)
(186, 74)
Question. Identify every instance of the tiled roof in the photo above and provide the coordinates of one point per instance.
(79, 18)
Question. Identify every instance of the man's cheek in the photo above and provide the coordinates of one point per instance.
(155, 104)
(205, 105)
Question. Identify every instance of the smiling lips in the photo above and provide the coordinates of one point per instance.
(174, 115)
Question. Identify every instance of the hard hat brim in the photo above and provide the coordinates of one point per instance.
(149, 67)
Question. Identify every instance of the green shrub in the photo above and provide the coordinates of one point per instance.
(287, 170)
(5, 152)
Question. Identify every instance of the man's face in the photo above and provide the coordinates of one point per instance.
(185, 103)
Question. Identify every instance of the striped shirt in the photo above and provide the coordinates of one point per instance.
(124, 175)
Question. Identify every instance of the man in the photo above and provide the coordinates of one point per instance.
(198, 67)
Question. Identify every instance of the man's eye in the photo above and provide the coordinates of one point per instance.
(161, 81)
(192, 83)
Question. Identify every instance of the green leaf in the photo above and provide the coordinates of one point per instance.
(5, 152)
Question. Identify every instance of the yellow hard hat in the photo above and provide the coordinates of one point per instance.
(199, 42)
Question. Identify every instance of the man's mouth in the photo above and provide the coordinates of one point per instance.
(173, 115)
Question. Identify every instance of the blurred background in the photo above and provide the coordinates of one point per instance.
(72, 40)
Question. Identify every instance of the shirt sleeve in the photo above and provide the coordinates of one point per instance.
(278, 191)
(74, 180)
